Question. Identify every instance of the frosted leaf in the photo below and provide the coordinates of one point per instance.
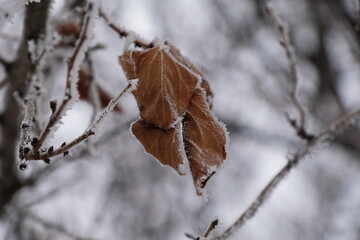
(165, 145)
(205, 139)
(165, 86)
(174, 101)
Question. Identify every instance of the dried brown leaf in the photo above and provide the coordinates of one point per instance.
(165, 85)
(165, 145)
(128, 62)
(176, 53)
(70, 28)
(204, 140)
(83, 88)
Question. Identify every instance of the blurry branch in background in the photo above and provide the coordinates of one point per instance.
(312, 141)
(293, 161)
(294, 72)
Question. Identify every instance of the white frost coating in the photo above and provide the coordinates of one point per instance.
(212, 168)
(32, 50)
(38, 54)
(183, 168)
(184, 66)
(132, 62)
(134, 84)
(74, 78)
(210, 171)
(111, 105)
(160, 43)
(174, 113)
(129, 40)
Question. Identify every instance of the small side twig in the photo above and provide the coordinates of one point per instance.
(207, 233)
(64, 148)
(300, 132)
(211, 228)
(123, 33)
(291, 56)
(56, 115)
(109, 107)
(28, 105)
(265, 194)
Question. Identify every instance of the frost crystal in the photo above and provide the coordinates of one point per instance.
(74, 78)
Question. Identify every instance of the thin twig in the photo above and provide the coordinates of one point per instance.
(123, 33)
(66, 147)
(211, 228)
(28, 105)
(56, 115)
(291, 56)
(109, 107)
(207, 233)
(265, 194)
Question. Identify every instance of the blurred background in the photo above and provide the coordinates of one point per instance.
(108, 188)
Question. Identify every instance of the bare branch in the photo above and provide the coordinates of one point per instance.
(109, 107)
(293, 161)
(123, 33)
(63, 149)
(29, 104)
(56, 115)
(291, 56)
(209, 230)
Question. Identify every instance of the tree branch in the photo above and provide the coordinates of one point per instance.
(123, 33)
(34, 26)
(293, 161)
(56, 115)
(291, 56)
(64, 148)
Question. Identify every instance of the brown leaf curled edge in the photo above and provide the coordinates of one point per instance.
(174, 101)
(204, 140)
